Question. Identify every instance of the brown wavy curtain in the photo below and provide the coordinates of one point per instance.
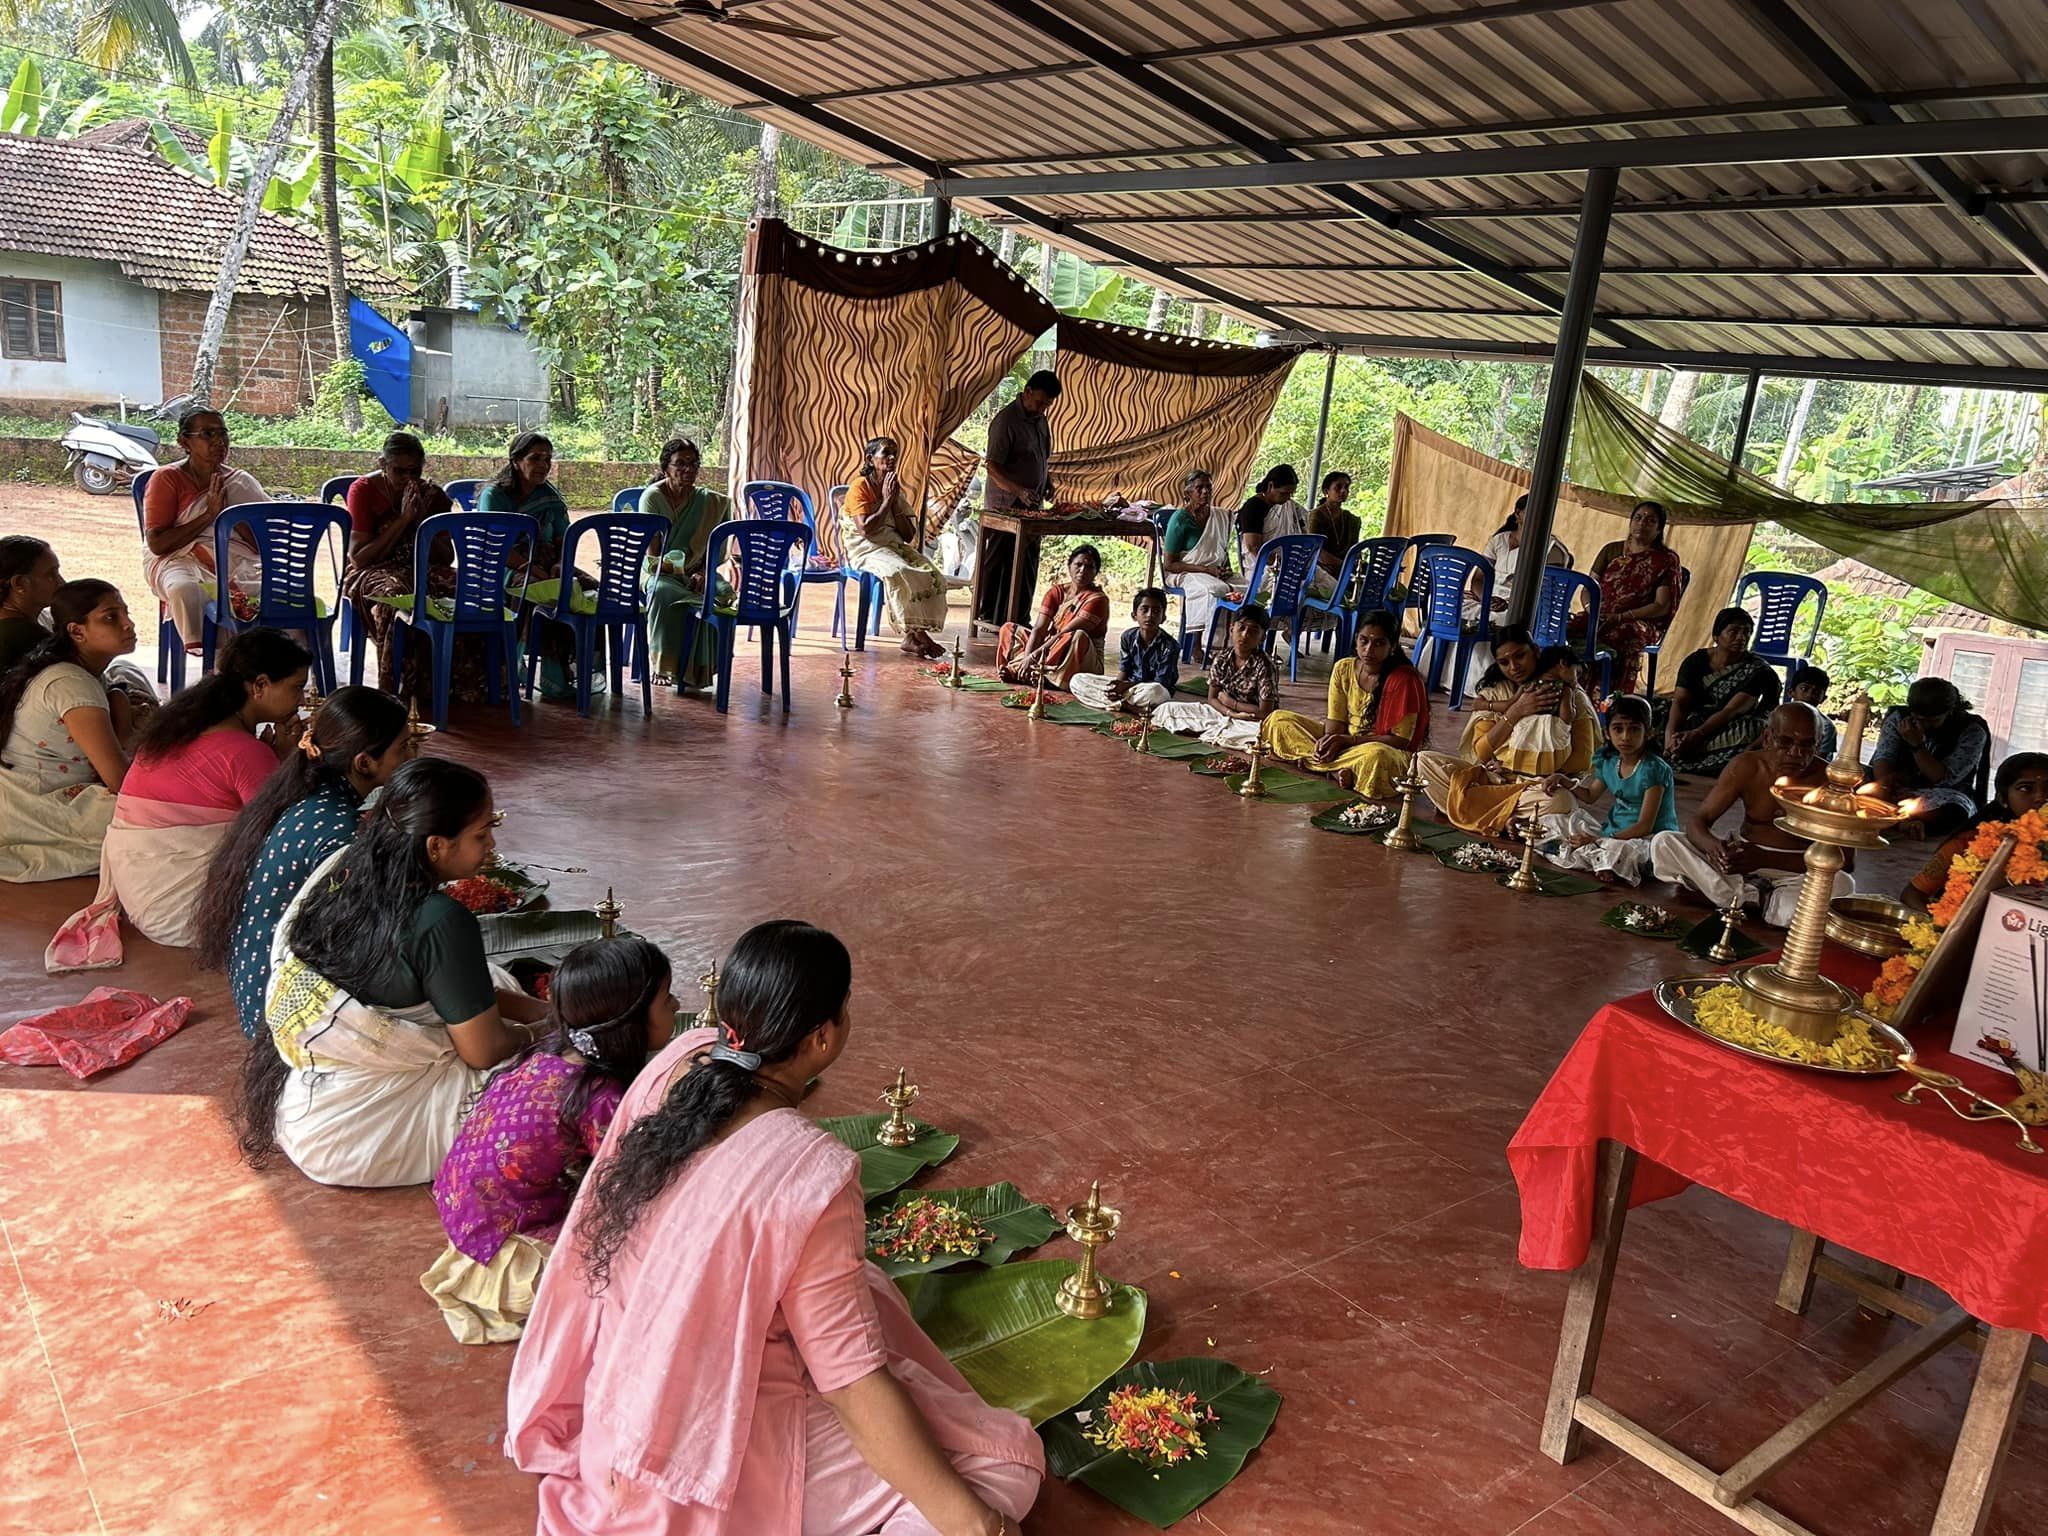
(1136, 411)
(836, 347)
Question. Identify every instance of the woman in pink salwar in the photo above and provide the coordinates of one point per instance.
(710, 1353)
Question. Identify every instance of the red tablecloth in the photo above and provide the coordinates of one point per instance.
(1914, 1187)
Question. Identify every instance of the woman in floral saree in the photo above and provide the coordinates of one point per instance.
(1639, 586)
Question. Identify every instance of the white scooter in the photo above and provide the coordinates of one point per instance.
(104, 456)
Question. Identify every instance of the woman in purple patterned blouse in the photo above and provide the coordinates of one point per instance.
(508, 1181)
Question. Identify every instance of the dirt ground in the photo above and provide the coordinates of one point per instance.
(93, 536)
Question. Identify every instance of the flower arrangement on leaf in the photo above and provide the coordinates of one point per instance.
(1019, 698)
(1365, 815)
(1484, 856)
(937, 669)
(1225, 763)
(1153, 1426)
(484, 894)
(922, 1229)
(1124, 730)
(2027, 866)
(1642, 917)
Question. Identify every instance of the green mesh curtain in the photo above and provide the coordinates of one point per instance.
(1988, 555)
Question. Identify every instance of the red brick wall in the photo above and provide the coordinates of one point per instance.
(274, 351)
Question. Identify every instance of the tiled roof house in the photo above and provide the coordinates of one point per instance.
(108, 256)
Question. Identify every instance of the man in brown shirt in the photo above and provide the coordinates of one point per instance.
(1761, 864)
(1017, 470)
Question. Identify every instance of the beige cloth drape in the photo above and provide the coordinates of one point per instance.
(1438, 485)
(836, 347)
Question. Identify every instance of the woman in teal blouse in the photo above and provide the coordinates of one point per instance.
(523, 486)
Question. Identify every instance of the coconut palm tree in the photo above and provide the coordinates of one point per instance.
(111, 33)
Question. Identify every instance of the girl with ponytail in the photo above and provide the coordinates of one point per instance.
(516, 1162)
(711, 1338)
(305, 810)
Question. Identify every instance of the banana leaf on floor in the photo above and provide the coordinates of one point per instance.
(1013, 1220)
(1245, 1409)
(1004, 1331)
(1706, 933)
(1286, 788)
(885, 1168)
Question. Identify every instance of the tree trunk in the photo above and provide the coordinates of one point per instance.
(1006, 248)
(1789, 454)
(1678, 404)
(1500, 412)
(768, 174)
(1198, 321)
(330, 225)
(1651, 377)
(318, 36)
(1155, 318)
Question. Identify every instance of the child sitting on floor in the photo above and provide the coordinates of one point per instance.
(506, 1185)
(1810, 685)
(1148, 662)
(1645, 801)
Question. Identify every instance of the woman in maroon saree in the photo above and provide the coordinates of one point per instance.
(1639, 584)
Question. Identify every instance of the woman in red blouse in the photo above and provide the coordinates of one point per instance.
(1073, 622)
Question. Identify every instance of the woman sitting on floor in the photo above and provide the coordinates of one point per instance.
(1148, 668)
(29, 579)
(506, 1185)
(61, 762)
(1195, 556)
(1377, 715)
(1929, 751)
(1243, 683)
(1073, 621)
(2021, 786)
(674, 579)
(1724, 695)
(881, 535)
(794, 1393)
(1530, 720)
(1645, 801)
(385, 511)
(384, 1016)
(200, 762)
(306, 810)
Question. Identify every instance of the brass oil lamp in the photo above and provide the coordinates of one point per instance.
(1084, 1293)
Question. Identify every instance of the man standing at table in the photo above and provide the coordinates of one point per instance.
(1019, 479)
(1761, 864)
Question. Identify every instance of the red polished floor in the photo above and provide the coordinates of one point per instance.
(1293, 1059)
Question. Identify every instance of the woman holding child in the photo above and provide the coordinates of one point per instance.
(1530, 720)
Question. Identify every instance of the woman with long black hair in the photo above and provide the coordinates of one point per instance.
(710, 1351)
(200, 761)
(61, 762)
(306, 810)
(506, 1183)
(384, 1015)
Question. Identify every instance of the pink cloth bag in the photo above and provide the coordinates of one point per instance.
(109, 1028)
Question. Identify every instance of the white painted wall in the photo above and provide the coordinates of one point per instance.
(111, 347)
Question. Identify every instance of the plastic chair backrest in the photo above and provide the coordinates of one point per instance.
(335, 491)
(625, 499)
(139, 488)
(1294, 554)
(1779, 596)
(1379, 566)
(622, 542)
(776, 500)
(828, 552)
(1551, 621)
(763, 590)
(483, 543)
(1449, 571)
(463, 493)
(288, 535)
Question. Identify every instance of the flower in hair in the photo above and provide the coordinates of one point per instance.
(732, 1036)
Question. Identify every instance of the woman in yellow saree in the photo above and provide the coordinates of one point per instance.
(1378, 714)
(1530, 719)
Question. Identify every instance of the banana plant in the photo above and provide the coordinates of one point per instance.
(229, 161)
(22, 110)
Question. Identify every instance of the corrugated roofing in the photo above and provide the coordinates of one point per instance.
(1932, 262)
(108, 196)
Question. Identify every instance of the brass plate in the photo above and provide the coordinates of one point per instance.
(1675, 997)
(1868, 924)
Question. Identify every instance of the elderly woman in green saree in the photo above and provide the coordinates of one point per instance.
(674, 579)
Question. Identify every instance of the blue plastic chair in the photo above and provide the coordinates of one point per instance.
(825, 562)
(170, 650)
(1780, 595)
(1551, 622)
(1449, 570)
(1292, 561)
(288, 536)
(625, 499)
(1334, 604)
(1418, 587)
(481, 605)
(463, 493)
(1369, 569)
(872, 592)
(1161, 516)
(1650, 651)
(617, 608)
(334, 492)
(766, 593)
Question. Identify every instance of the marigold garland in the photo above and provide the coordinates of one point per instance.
(2027, 866)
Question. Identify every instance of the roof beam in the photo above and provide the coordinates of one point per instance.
(574, 15)
(1860, 141)
(1163, 89)
(1394, 269)
(1806, 322)
(1807, 41)
(1776, 364)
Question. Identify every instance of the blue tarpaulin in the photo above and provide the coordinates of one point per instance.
(386, 355)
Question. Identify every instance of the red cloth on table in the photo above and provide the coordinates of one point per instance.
(106, 1030)
(1957, 1204)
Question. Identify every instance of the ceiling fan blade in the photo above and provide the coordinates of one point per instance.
(749, 24)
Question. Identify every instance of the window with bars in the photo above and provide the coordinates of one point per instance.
(31, 320)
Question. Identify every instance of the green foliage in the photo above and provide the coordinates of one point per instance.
(22, 109)
(343, 381)
(1871, 645)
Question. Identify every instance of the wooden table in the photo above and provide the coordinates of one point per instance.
(1028, 528)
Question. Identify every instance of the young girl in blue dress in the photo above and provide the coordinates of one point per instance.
(1645, 801)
